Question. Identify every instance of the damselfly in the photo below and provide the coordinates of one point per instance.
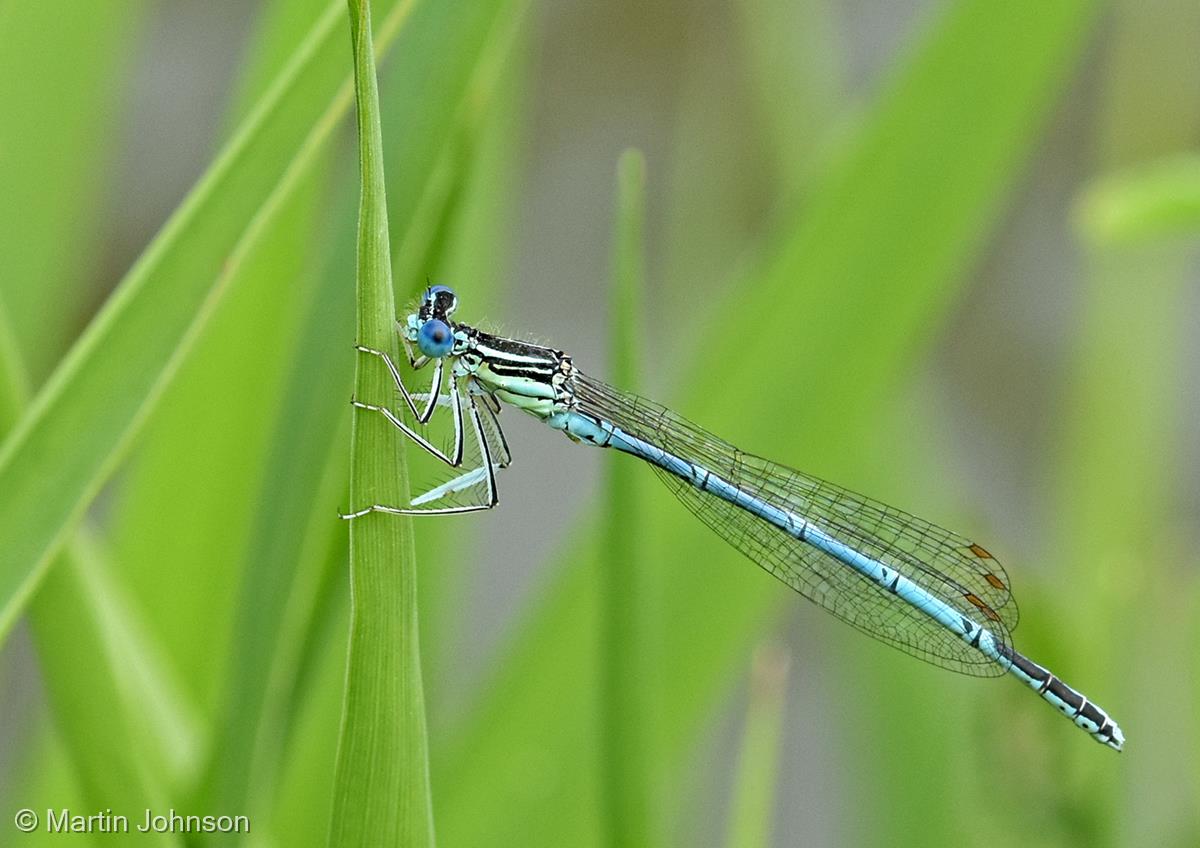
(927, 591)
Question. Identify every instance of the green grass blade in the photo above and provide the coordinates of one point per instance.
(111, 703)
(97, 399)
(381, 783)
(51, 779)
(280, 26)
(57, 136)
(84, 672)
(290, 526)
(791, 109)
(242, 358)
(1120, 538)
(302, 803)
(793, 55)
(14, 381)
(758, 760)
(624, 670)
(856, 289)
(169, 727)
(1154, 201)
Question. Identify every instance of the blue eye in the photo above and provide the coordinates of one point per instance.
(435, 338)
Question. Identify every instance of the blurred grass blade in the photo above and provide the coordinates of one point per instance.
(110, 699)
(280, 565)
(381, 783)
(242, 357)
(791, 111)
(169, 727)
(1120, 442)
(88, 670)
(758, 760)
(14, 381)
(1149, 202)
(623, 644)
(794, 54)
(279, 26)
(80, 424)
(300, 814)
(856, 290)
(56, 143)
(425, 236)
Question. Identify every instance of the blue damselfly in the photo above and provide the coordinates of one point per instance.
(927, 591)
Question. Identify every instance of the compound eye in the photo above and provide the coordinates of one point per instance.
(435, 338)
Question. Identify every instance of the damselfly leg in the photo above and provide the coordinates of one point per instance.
(492, 431)
(477, 444)
(422, 416)
(478, 482)
(417, 364)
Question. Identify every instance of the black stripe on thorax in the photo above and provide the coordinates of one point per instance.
(508, 369)
(506, 357)
(513, 353)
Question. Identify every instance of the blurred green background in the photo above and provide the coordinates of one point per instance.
(941, 252)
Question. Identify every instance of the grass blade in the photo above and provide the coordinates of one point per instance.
(87, 679)
(1118, 481)
(381, 783)
(758, 760)
(113, 374)
(56, 141)
(280, 565)
(793, 55)
(624, 617)
(243, 360)
(1145, 203)
(93, 663)
(14, 382)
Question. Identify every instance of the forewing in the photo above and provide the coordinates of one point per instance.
(948, 566)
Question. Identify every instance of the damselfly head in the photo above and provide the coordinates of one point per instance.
(430, 327)
(438, 302)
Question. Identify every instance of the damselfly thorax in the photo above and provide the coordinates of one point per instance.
(528, 376)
